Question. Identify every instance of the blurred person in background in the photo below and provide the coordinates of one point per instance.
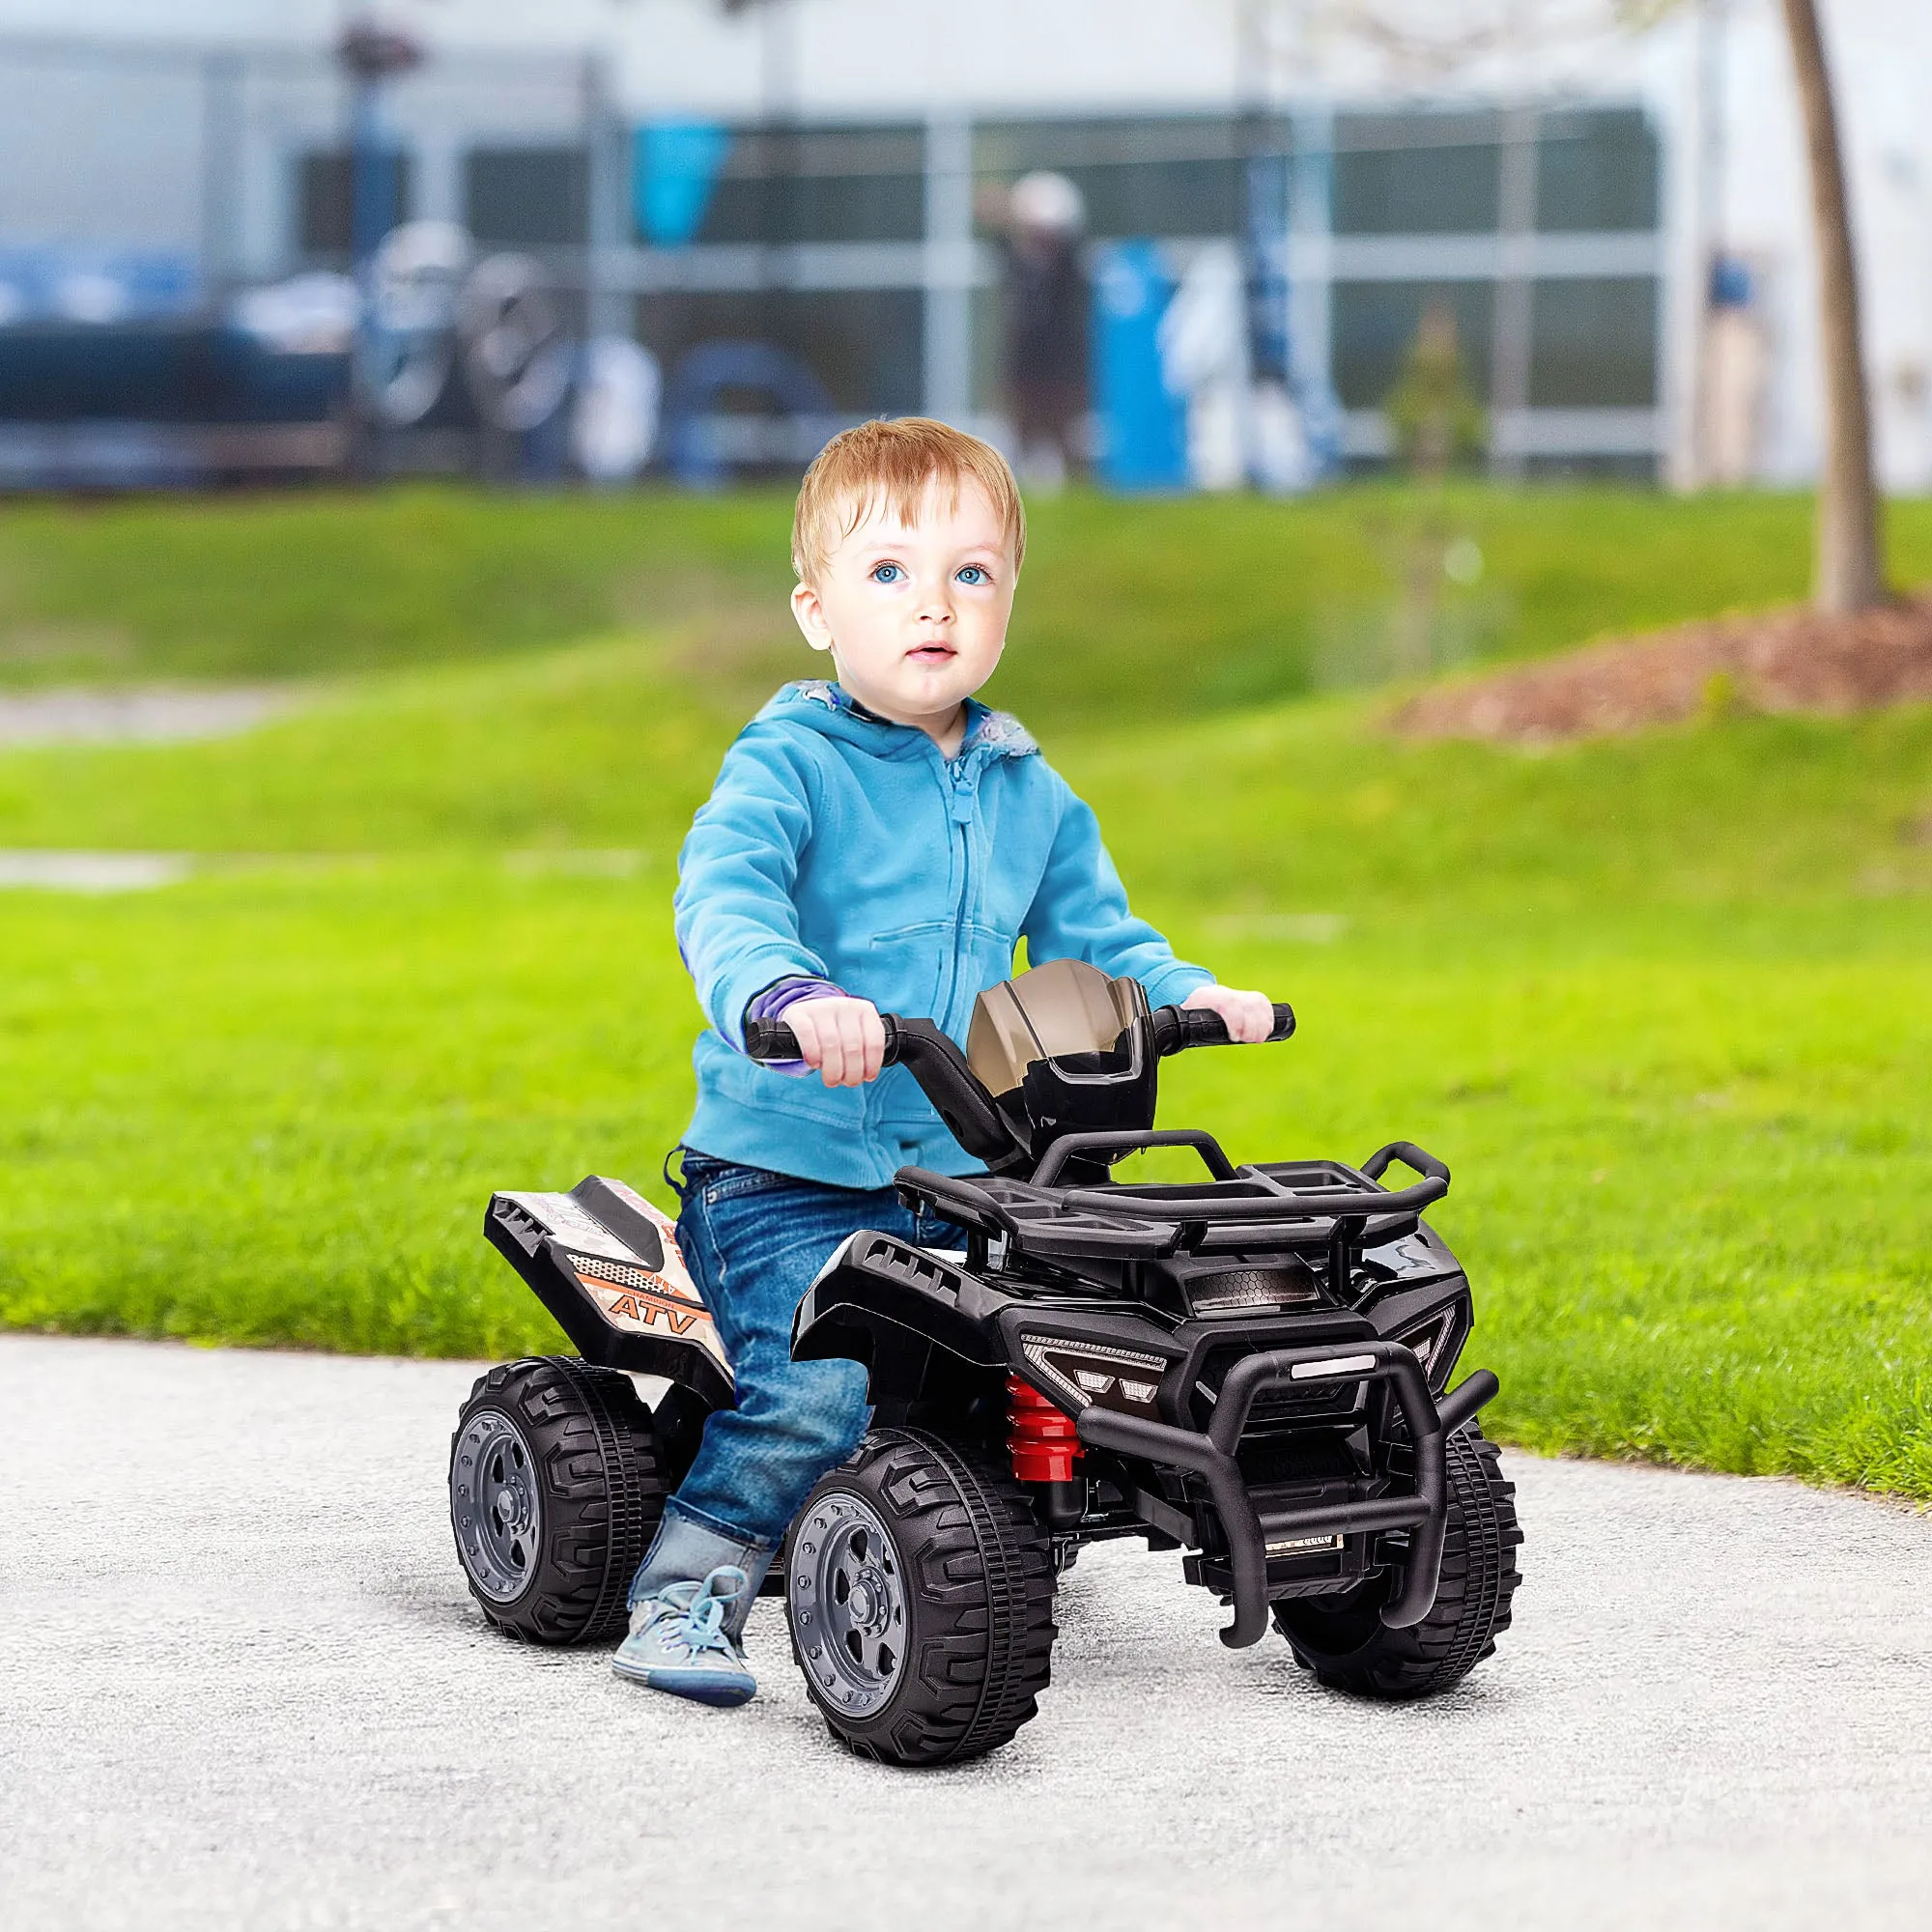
(1047, 328)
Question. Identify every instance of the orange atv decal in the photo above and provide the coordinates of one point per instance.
(639, 1306)
(639, 1297)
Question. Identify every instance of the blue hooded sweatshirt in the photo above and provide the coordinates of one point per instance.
(837, 846)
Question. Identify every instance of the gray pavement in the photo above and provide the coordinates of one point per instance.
(138, 714)
(244, 1686)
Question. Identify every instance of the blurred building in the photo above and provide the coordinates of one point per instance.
(795, 205)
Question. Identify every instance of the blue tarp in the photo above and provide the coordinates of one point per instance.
(674, 166)
(65, 283)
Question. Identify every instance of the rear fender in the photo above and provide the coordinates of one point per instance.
(605, 1264)
(881, 1301)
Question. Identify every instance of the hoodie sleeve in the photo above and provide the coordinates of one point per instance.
(1081, 912)
(737, 926)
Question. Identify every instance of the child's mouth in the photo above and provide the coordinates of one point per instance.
(928, 655)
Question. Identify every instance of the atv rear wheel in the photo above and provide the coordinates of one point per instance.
(920, 1588)
(1343, 1639)
(557, 1482)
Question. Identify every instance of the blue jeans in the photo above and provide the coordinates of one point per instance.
(753, 1240)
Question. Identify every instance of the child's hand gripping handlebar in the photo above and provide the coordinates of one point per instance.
(936, 1064)
(1177, 1028)
(773, 1039)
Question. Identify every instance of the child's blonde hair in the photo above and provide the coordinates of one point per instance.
(893, 462)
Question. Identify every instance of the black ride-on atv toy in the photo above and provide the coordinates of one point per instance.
(1250, 1368)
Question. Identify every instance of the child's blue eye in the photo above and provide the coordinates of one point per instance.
(887, 573)
(973, 574)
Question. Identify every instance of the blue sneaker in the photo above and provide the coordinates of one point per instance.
(678, 1641)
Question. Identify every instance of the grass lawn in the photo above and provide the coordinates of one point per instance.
(1130, 610)
(1664, 1006)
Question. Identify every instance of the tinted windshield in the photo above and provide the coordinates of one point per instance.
(1065, 1007)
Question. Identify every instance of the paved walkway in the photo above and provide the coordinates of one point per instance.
(245, 1687)
(142, 715)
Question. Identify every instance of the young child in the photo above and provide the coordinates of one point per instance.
(880, 842)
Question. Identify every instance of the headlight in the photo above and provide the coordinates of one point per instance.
(1429, 1338)
(1089, 1372)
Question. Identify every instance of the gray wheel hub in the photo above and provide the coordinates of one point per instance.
(495, 1505)
(848, 1604)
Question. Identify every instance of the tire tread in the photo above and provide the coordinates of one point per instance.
(604, 1481)
(1472, 1605)
(983, 1572)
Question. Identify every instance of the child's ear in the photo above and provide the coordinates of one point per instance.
(810, 615)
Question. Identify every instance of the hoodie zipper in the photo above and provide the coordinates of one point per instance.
(960, 802)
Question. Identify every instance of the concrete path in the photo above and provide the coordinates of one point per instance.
(245, 1687)
(140, 715)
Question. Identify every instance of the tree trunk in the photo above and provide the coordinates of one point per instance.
(1850, 569)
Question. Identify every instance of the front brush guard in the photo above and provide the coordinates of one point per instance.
(1210, 1454)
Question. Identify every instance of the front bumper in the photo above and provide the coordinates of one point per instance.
(1211, 1456)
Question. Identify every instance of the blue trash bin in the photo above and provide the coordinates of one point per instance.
(1143, 427)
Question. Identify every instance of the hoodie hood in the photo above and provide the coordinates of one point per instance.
(828, 708)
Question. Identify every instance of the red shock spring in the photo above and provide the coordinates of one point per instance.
(1040, 1435)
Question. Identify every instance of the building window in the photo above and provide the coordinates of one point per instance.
(527, 197)
(1417, 173)
(324, 198)
(1374, 328)
(1175, 176)
(782, 184)
(1596, 172)
(1592, 344)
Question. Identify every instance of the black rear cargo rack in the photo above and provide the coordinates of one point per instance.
(1254, 1205)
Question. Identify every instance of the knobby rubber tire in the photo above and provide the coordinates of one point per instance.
(603, 1481)
(977, 1573)
(1348, 1646)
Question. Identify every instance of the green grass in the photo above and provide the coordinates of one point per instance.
(600, 745)
(1128, 609)
(1664, 1005)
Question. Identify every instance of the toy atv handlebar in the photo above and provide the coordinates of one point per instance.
(972, 1115)
(1176, 1029)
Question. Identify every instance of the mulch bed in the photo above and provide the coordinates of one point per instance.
(1792, 659)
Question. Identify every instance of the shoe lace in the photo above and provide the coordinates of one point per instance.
(695, 1611)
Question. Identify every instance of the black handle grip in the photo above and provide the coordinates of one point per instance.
(1176, 1029)
(770, 1039)
(773, 1039)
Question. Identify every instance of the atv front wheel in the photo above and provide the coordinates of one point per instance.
(920, 1588)
(557, 1483)
(1345, 1642)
